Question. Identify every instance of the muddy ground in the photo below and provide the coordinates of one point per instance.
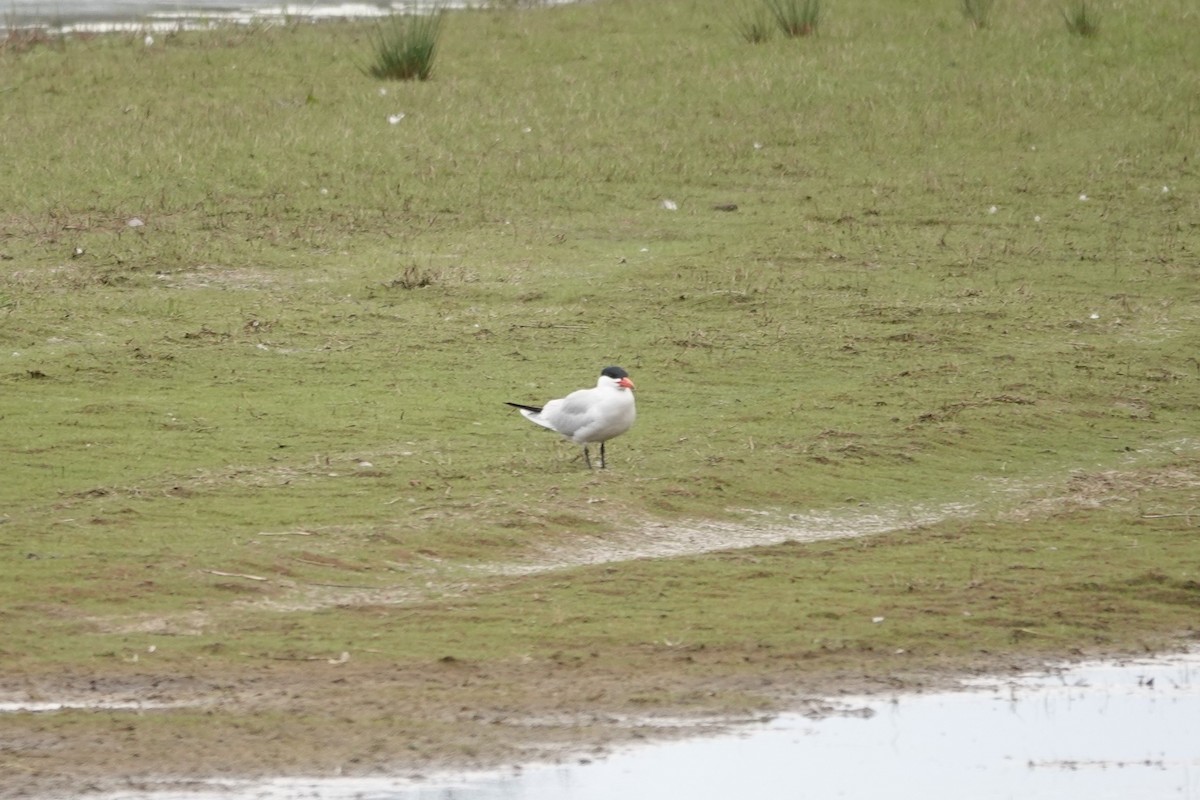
(151, 724)
(316, 718)
(138, 726)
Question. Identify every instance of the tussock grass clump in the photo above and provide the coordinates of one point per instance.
(1081, 21)
(978, 12)
(753, 26)
(413, 277)
(405, 47)
(795, 17)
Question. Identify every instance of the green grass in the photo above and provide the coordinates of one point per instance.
(1082, 21)
(978, 12)
(795, 17)
(753, 24)
(295, 369)
(404, 47)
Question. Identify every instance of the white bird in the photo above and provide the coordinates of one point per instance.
(589, 415)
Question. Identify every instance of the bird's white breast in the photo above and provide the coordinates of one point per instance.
(591, 415)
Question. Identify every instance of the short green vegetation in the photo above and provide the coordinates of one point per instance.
(260, 312)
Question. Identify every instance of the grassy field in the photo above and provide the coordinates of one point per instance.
(259, 314)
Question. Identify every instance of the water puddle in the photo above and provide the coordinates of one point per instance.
(1094, 730)
(44, 707)
(101, 16)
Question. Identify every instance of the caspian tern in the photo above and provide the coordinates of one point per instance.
(589, 415)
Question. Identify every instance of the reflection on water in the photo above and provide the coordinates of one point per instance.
(99, 15)
(1093, 731)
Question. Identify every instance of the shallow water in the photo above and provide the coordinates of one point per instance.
(1099, 730)
(169, 14)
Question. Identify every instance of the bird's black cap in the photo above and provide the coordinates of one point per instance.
(616, 373)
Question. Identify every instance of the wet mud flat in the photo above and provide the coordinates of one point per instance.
(1100, 729)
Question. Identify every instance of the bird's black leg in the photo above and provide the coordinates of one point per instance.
(588, 460)
(602, 464)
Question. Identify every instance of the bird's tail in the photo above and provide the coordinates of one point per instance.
(534, 409)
